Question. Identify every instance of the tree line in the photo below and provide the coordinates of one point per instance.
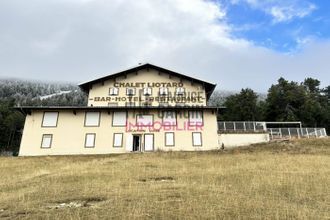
(285, 101)
(14, 92)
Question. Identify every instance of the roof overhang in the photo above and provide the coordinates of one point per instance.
(28, 109)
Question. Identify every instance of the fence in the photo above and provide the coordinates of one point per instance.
(274, 133)
(242, 126)
(279, 133)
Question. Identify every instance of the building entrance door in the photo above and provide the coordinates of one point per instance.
(136, 143)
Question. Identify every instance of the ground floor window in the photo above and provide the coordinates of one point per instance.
(197, 138)
(90, 140)
(169, 139)
(117, 139)
(46, 140)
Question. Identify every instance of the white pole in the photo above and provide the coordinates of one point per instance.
(271, 133)
(289, 133)
(234, 123)
(315, 132)
(254, 126)
(244, 126)
(280, 129)
(298, 133)
(224, 125)
(307, 133)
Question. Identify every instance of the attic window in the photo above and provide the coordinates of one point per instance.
(180, 91)
(113, 91)
(163, 91)
(147, 91)
(130, 91)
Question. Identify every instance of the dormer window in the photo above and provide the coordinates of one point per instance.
(113, 91)
(163, 91)
(147, 91)
(130, 91)
(180, 91)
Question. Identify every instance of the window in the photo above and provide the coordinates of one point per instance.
(113, 104)
(144, 120)
(163, 91)
(130, 91)
(90, 140)
(169, 139)
(180, 91)
(169, 118)
(50, 119)
(195, 118)
(147, 91)
(130, 104)
(113, 91)
(117, 140)
(197, 138)
(119, 119)
(46, 140)
(92, 119)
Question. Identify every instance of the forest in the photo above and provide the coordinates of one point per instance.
(285, 101)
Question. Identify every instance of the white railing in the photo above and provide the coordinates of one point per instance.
(240, 126)
(274, 133)
(280, 133)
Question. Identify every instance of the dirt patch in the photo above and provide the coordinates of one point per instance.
(86, 202)
(158, 179)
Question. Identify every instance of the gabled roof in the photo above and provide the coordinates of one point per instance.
(209, 87)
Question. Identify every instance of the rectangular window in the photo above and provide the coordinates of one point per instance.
(117, 140)
(197, 138)
(90, 140)
(180, 91)
(113, 104)
(113, 91)
(130, 91)
(144, 120)
(147, 91)
(163, 91)
(92, 119)
(130, 104)
(169, 139)
(119, 119)
(46, 140)
(50, 119)
(169, 118)
(195, 118)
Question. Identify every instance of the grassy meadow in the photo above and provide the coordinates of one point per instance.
(287, 180)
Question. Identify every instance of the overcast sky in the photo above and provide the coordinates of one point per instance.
(234, 43)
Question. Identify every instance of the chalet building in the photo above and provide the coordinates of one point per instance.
(145, 108)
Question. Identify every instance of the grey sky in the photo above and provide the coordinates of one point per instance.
(78, 40)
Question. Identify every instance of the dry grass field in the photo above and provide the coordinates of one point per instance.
(268, 181)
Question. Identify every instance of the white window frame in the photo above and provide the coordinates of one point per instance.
(169, 120)
(197, 140)
(147, 91)
(163, 91)
(129, 104)
(87, 140)
(180, 91)
(144, 120)
(169, 136)
(193, 120)
(43, 141)
(119, 122)
(113, 91)
(130, 89)
(50, 119)
(118, 139)
(92, 122)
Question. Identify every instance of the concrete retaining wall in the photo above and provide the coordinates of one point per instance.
(236, 140)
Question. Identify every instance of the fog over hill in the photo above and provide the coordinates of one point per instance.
(28, 92)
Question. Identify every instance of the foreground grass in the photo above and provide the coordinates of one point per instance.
(271, 181)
